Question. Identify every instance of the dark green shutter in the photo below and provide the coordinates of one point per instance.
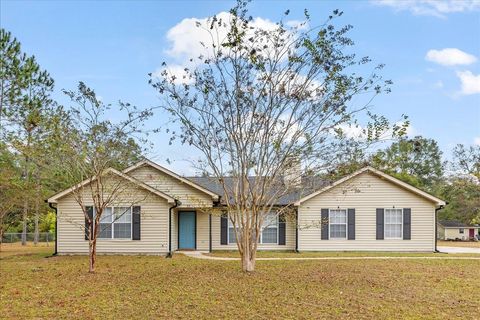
(88, 227)
(136, 223)
(380, 222)
(325, 224)
(351, 224)
(281, 230)
(407, 224)
(224, 229)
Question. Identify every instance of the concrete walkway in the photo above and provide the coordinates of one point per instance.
(200, 255)
(459, 249)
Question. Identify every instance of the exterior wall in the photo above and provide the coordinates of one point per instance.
(440, 232)
(289, 238)
(202, 230)
(454, 233)
(153, 226)
(365, 193)
(188, 195)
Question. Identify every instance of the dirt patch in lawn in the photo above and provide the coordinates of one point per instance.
(140, 287)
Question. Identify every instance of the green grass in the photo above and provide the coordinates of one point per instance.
(291, 254)
(33, 286)
(466, 244)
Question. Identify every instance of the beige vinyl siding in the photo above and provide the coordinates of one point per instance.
(440, 232)
(154, 229)
(203, 231)
(454, 233)
(188, 195)
(289, 238)
(365, 193)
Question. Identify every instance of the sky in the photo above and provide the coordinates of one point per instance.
(431, 50)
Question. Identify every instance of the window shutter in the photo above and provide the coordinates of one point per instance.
(136, 222)
(351, 224)
(88, 227)
(380, 219)
(224, 229)
(407, 224)
(281, 230)
(325, 224)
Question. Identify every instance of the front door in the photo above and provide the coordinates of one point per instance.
(471, 233)
(186, 230)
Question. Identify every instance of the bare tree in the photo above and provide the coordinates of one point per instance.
(93, 150)
(269, 105)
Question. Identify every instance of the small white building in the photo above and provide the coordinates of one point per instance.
(456, 230)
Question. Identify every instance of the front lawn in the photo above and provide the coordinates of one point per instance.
(314, 254)
(467, 244)
(143, 287)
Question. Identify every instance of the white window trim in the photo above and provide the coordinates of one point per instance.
(113, 227)
(461, 230)
(260, 241)
(330, 223)
(384, 229)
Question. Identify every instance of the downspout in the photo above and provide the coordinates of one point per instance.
(170, 252)
(56, 226)
(436, 226)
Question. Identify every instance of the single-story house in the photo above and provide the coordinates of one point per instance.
(453, 230)
(365, 211)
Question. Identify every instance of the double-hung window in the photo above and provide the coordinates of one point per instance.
(338, 223)
(232, 238)
(116, 223)
(461, 230)
(268, 230)
(393, 223)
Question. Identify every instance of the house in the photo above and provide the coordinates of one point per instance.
(453, 230)
(365, 211)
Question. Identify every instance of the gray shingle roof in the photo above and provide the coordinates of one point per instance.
(454, 224)
(309, 185)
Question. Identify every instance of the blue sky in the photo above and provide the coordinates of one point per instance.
(113, 45)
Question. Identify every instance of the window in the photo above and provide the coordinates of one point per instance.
(232, 238)
(116, 223)
(393, 223)
(269, 230)
(461, 231)
(338, 223)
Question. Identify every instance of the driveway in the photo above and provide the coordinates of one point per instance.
(458, 249)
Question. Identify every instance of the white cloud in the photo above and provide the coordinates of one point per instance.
(438, 84)
(186, 37)
(436, 8)
(476, 141)
(470, 82)
(450, 57)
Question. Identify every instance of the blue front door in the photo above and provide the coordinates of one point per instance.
(186, 230)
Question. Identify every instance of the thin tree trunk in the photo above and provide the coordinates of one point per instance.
(92, 255)
(37, 213)
(25, 200)
(24, 222)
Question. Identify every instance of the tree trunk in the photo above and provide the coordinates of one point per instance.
(248, 260)
(37, 215)
(24, 222)
(92, 255)
(25, 201)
